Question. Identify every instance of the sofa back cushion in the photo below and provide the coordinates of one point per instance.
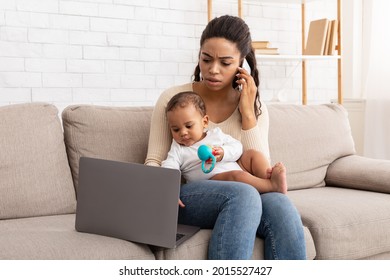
(35, 178)
(307, 139)
(114, 133)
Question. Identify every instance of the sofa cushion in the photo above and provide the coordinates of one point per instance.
(345, 223)
(357, 172)
(34, 171)
(196, 248)
(114, 133)
(307, 139)
(54, 237)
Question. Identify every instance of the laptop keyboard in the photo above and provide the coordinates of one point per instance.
(179, 236)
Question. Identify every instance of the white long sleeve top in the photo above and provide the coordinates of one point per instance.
(186, 158)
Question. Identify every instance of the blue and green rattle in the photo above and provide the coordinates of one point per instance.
(205, 153)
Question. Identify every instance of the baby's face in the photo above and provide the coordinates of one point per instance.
(187, 125)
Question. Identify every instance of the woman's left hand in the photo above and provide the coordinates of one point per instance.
(247, 98)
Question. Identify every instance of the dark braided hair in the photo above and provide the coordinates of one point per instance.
(235, 30)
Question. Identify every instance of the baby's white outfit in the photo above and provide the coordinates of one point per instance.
(186, 158)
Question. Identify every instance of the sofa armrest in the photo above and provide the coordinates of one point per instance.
(357, 172)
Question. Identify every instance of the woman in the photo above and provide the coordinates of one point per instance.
(235, 211)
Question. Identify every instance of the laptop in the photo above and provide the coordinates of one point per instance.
(130, 201)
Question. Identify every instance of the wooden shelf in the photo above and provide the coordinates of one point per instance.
(297, 57)
(254, 2)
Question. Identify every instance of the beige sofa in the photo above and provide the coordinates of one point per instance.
(343, 199)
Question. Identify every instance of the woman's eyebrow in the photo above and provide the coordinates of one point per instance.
(221, 57)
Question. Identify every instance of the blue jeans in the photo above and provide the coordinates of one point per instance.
(236, 212)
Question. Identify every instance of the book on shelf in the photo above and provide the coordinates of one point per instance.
(263, 47)
(328, 32)
(333, 37)
(266, 51)
(260, 44)
(316, 38)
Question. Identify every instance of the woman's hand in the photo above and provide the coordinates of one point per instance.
(181, 204)
(247, 98)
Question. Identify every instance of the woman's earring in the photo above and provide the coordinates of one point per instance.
(200, 76)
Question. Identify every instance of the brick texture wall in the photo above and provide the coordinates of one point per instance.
(125, 52)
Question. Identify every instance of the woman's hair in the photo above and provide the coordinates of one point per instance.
(185, 98)
(235, 30)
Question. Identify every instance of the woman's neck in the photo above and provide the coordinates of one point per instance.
(225, 95)
(220, 105)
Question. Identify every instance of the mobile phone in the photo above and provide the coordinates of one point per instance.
(246, 66)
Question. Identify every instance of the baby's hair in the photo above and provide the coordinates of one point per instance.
(184, 99)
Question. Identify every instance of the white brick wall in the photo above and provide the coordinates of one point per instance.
(125, 52)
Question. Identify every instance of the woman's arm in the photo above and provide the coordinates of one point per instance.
(254, 134)
(159, 137)
(257, 137)
(247, 99)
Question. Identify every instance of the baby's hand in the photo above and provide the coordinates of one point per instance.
(218, 152)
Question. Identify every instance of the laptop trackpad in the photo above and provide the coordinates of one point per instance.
(184, 232)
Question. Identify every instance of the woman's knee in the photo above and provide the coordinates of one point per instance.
(278, 203)
(247, 197)
(280, 213)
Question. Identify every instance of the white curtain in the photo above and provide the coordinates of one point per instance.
(376, 77)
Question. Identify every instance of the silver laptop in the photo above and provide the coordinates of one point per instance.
(130, 201)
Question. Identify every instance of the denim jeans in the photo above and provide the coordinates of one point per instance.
(236, 212)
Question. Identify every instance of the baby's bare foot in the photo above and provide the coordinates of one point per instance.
(268, 173)
(278, 178)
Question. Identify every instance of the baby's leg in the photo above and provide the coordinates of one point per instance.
(255, 163)
(274, 184)
(262, 185)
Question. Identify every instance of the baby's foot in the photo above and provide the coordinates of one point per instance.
(268, 173)
(278, 178)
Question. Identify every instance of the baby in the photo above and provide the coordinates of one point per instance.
(188, 122)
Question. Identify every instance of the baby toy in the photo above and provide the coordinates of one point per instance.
(205, 153)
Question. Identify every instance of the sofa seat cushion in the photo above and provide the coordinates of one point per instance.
(54, 237)
(114, 133)
(196, 248)
(35, 178)
(307, 139)
(345, 223)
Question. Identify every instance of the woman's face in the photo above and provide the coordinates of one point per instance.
(218, 62)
